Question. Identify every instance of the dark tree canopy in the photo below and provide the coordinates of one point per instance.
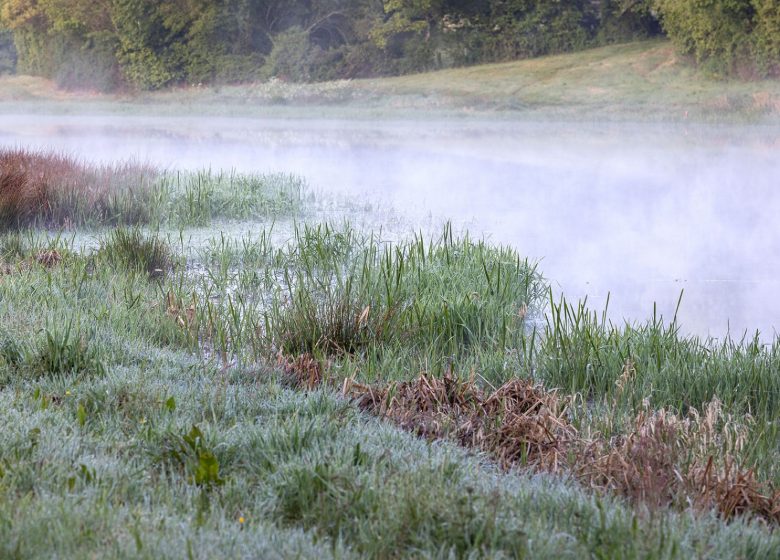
(148, 44)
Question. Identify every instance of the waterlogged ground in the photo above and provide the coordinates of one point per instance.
(640, 212)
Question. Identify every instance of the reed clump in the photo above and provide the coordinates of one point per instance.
(20, 252)
(47, 189)
(136, 251)
(581, 351)
(413, 304)
(53, 190)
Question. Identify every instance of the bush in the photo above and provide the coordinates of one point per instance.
(89, 66)
(538, 28)
(767, 36)
(621, 22)
(290, 59)
(715, 32)
(726, 37)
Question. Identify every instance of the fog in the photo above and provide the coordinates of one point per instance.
(637, 211)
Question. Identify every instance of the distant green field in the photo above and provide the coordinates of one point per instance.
(636, 81)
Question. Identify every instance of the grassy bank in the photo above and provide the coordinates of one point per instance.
(328, 392)
(636, 81)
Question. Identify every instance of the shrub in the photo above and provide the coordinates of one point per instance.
(726, 36)
(290, 58)
(88, 66)
(7, 53)
(767, 36)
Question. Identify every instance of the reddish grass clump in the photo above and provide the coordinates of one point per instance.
(50, 189)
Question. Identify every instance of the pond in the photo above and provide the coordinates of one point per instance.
(637, 211)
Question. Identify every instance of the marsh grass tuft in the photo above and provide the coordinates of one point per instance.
(12, 350)
(195, 199)
(423, 302)
(20, 251)
(582, 352)
(13, 247)
(133, 250)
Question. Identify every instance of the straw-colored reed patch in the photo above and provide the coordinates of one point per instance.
(663, 460)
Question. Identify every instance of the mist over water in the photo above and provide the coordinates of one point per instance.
(638, 211)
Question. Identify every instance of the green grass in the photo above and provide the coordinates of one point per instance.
(643, 80)
(48, 190)
(149, 419)
(583, 353)
(161, 454)
(635, 81)
(620, 369)
(414, 306)
(134, 251)
(375, 311)
(379, 309)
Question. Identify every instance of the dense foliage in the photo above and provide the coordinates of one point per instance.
(726, 36)
(7, 52)
(147, 44)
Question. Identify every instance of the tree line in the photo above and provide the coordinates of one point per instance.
(149, 44)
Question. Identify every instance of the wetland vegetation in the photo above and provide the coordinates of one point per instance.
(211, 363)
(309, 388)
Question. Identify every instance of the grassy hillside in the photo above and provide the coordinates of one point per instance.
(643, 80)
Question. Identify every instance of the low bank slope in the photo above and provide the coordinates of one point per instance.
(638, 81)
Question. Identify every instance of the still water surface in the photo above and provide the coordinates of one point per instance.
(639, 212)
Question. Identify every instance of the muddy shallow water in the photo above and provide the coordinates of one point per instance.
(638, 211)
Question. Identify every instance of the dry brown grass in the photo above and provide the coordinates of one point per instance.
(184, 316)
(303, 371)
(664, 459)
(51, 189)
(46, 258)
